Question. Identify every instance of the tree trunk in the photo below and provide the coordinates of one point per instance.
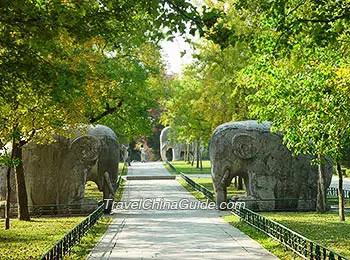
(340, 193)
(321, 203)
(240, 183)
(236, 182)
(197, 152)
(22, 199)
(8, 191)
(8, 197)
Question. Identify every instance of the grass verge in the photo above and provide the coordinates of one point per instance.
(30, 239)
(187, 168)
(325, 229)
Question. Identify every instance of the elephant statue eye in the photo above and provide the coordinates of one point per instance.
(86, 147)
(245, 146)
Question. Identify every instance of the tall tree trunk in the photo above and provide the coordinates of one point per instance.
(321, 203)
(22, 199)
(340, 193)
(8, 190)
(187, 158)
(197, 152)
(8, 198)
(240, 183)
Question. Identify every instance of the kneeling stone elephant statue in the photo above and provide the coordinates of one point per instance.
(56, 173)
(273, 178)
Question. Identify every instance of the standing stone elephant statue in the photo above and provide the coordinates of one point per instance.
(176, 148)
(56, 173)
(166, 144)
(273, 178)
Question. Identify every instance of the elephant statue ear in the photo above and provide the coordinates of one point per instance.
(245, 146)
(86, 147)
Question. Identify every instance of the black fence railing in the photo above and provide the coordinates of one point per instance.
(299, 244)
(333, 192)
(64, 245)
(207, 193)
(170, 165)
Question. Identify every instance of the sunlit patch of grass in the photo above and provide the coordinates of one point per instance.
(92, 192)
(31, 239)
(187, 168)
(325, 229)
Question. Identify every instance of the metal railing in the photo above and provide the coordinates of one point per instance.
(64, 245)
(299, 244)
(170, 165)
(332, 191)
(207, 193)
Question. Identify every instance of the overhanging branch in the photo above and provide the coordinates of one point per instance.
(108, 110)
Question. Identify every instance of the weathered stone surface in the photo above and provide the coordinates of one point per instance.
(274, 179)
(56, 173)
(177, 148)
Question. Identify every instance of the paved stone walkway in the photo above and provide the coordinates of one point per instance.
(171, 234)
(346, 182)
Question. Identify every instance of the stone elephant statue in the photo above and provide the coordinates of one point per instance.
(166, 144)
(56, 173)
(273, 178)
(177, 148)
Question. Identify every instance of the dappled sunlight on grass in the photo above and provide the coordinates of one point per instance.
(187, 168)
(31, 239)
(326, 229)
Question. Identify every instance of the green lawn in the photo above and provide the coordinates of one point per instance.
(187, 168)
(29, 240)
(92, 192)
(326, 229)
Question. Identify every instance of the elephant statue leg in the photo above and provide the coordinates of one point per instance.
(108, 190)
(220, 186)
(221, 197)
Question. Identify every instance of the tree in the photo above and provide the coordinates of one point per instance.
(307, 102)
(53, 58)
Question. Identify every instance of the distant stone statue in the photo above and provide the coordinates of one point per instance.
(56, 173)
(176, 148)
(273, 178)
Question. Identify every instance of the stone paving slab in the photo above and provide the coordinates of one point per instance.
(171, 234)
